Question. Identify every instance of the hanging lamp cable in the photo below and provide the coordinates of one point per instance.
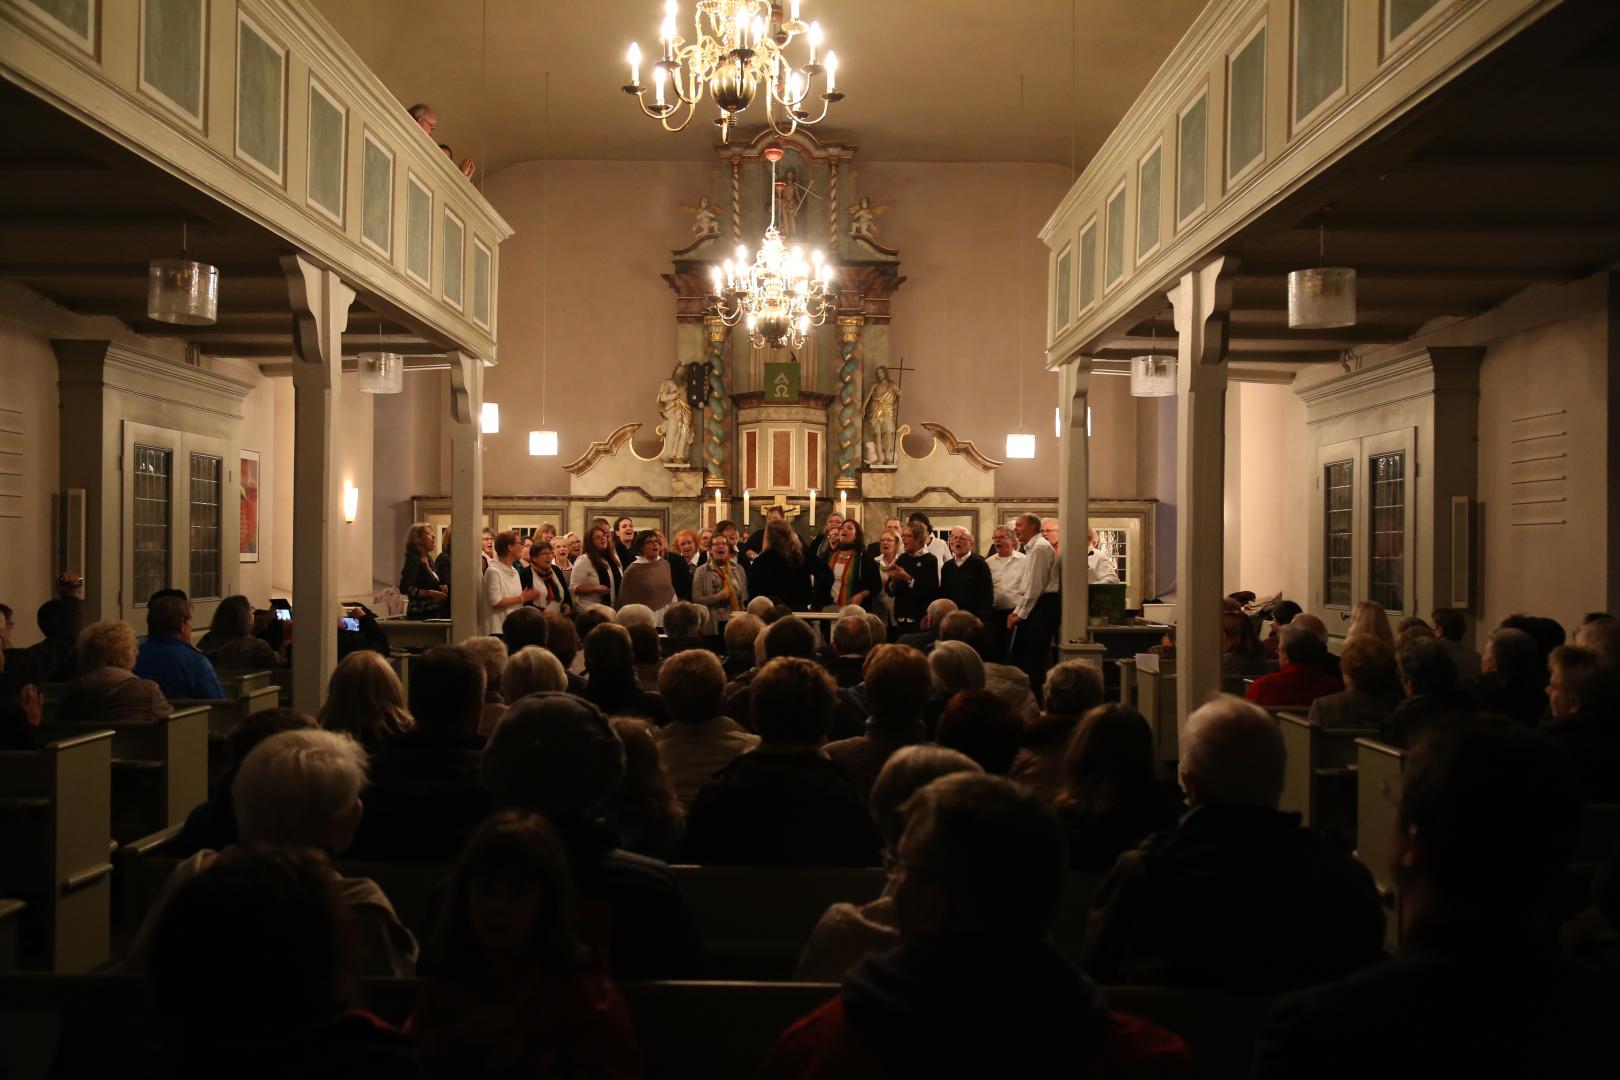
(1018, 235)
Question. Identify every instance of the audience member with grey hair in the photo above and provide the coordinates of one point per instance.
(846, 932)
(683, 627)
(1000, 678)
(928, 629)
(1429, 680)
(1239, 896)
(740, 634)
(975, 987)
(1302, 678)
(955, 667)
(107, 690)
(1513, 678)
(489, 653)
(699, 739)
(532, 670)
(1073, 688)
(851, 644)
(635, 615)
(301, 788)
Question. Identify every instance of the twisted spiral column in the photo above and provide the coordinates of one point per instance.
(719, 410)
(849, 397)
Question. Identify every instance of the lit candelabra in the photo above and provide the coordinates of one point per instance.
(780, 295)
(739, 53)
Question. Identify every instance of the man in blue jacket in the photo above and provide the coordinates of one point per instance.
(167, 656)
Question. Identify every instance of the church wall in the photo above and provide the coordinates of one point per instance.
(1258, 535)
(1556, 570)
(255, 580)
(28, 372)
(409, 434)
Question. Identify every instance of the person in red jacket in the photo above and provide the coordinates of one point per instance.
(974, 989)
(1302, 679)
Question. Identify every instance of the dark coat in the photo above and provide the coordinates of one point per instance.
(1593, 743)
(773, 576)
(416, 577)
(1417, 714)
(424, 798)
(771, 808)
(680, 575)
(1098, 838)
(968, 584)
(911, 599)
(1238, 898)
(1523, 702)
(626, 699)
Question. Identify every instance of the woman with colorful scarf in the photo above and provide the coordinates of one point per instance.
(854, 574)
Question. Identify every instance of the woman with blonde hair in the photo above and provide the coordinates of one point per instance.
(1368, 617)
(107, 690)
(365, 699)
(427, 597)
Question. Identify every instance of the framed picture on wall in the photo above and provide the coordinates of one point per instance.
(249, 476)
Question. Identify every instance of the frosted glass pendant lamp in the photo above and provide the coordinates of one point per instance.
(1153, 376)
(1322, 299)
(381, 373)
(182, 291)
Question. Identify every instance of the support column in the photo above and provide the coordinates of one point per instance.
(1202, 302)
(848, 459)
(718, 413)
(466, 492)
(1074, 496)
(320, 306)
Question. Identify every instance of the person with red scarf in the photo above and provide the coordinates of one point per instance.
(854, 573)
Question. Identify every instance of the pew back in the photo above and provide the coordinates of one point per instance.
(1319, 759)
(160, 770)
(1156, 692)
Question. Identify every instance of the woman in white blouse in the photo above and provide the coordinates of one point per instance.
(888, 550)
(596, 574)
(503, 589)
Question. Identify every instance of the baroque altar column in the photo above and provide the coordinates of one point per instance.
(466, 491)
(1074, 495)
(848, 459)
(320, 305)
(1203, 303)
(716, 434)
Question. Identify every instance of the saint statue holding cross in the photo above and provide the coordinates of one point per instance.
(882, 413)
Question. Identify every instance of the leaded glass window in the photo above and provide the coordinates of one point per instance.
(1388, 476)
(152, 494)
(205, 521)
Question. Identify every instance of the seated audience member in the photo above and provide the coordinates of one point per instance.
(230, 644)
(1600, 633)
(1073, 688)
(683, 628)
(955, 667)
(846, 932)
(556, 754)
(168, 658)
(365, 699)
(1238, 896)
(532, 670)
(644, 811)
(1282, 613)
(424, 797)
(699, 739)
(975, 988)
(1242, 655)
(51, 659)
(1548, 634)
(490, 654)
(611, 676)
(643, 626)
(212, 824)
(562, 641)
(1301, 679)
(1001, 678)
(1429, 681)
(790, 636)
(928, 629)
(1414, 624)
(1371, 691)
(1512, 680)
(851, 645)
(301, 789)
(1113, 798)
(1585, 705)
(1369, 617)
(251, 972)
(1306, 621)
(783, 803)
(895, 689)
(511, 990)
(760, 606)
(1487, 820)
(741, 632)
(21, 716)
(523, 627)
(980, 725)
(107, 691)
(8, 626)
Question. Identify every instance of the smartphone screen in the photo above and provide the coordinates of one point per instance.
(284, 614)
(349, 623)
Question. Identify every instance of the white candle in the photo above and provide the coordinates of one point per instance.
(635, 64)
(812, 507)
(793, 10)
(659, 76)
(832, 71)
(717, 505)
(815, 40)
(843, 505)
(745, 509)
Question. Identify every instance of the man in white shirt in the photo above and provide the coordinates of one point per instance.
(1006, 573)
(1034, 621)
(503, 588)
(1100, 568)
(934, 545)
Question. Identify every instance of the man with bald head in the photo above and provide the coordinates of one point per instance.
(1239, 895)
(1303, 677)
(965, 576)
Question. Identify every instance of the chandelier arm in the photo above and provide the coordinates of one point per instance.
(691, 111)
(826, 104)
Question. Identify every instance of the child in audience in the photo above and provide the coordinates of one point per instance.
(511, 992)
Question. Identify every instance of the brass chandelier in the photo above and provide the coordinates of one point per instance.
(739, 54)
(780, 295)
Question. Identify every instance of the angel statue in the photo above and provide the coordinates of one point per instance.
(863, 219)
(677, 426)
(706, 219)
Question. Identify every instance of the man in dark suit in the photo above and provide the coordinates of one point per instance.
(965, 577)
(914, 581)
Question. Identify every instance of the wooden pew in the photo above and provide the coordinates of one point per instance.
(1378, 785)
(1126, 666)
(11, 912)
(54, 825)
(244, 695)
(1320, 762)
(159, 769)
(1156, 696)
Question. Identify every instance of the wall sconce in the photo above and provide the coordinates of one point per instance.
(351, 502)
(489, 418)
(542, 444)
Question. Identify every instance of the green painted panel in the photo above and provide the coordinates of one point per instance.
(261, 98)
(172, 51)
(1088, 266)
(1318, 53)
(74, 15)
(782, 383)
(1404, 14)
(1246, 134)
(480, 285)
(454, 242)
(1114, 267)
(377, 197)
(418, 230)
(1064, 282)
(326, 149)
(1148, 185)
(1192, 158)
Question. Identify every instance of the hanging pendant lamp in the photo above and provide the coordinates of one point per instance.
(1323, 298)
(182, 291)
(380, 371)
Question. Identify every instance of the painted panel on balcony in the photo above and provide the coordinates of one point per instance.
(1114, 255)
(1088, 265)
(172, 44)
(418, 230)
(1402, 15)
(455, 241)
(1192, 153)
(328, 140)
(1246, 107)
(261, 98)
(377, 196)
(1149, 181)
(480, 284)
(76, 19)
(1064, 282)
(1318, 54)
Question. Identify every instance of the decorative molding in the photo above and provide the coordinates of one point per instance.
(604, 448)
(961, 447)
(120, 367)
